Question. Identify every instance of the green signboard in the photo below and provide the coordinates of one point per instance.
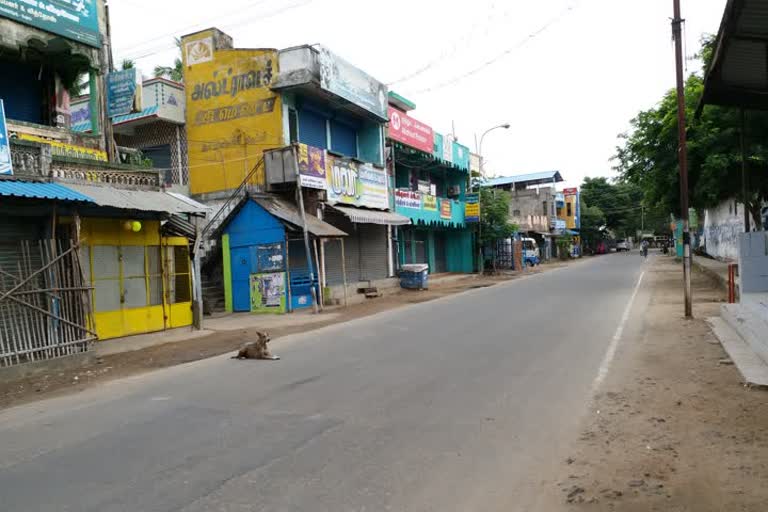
(74, 19)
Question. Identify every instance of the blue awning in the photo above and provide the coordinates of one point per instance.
(40, 190)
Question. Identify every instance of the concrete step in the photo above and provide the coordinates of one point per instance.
(752, 368)
(750, 325)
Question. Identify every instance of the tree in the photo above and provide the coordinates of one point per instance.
(175, 73)
(593, 224)
(647, 156)
(127, 64)
(494, 216)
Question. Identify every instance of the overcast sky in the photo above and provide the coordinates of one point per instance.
(568, 75)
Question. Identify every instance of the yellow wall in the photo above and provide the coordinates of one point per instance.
(570, 220)
(232, 114)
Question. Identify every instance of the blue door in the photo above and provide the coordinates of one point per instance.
(241, 279)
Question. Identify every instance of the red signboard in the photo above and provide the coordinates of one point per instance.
(570, 191)
(411, 132)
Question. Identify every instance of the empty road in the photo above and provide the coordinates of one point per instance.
(460, 404)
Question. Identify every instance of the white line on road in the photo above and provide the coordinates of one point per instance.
(611, 352)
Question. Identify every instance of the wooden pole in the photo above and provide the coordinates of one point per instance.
(319, 279)
(306, 232)
(344, 271)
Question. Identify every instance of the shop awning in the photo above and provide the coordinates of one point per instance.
(138, 200)
(360, 216)
(289, 212)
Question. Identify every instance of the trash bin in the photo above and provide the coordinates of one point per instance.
(414, 276)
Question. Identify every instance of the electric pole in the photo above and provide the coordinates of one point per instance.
(677, 22)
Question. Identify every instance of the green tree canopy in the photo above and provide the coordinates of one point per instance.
(494, 215)
(175, 72)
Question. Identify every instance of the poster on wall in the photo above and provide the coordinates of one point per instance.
(405, 198)
(75, 20)
(268, 293)
(121, 92)
(312, 168)
(446, 209)
(357, 184)
(472, 208)
(6, 163)
(269, 257)
(430, 202)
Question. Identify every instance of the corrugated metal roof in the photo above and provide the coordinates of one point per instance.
(85, 126)
(360, 216)
(289, 212)
(38, 190)
(540, 177)
(141, 200)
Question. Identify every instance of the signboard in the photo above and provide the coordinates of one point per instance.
(77, 20)
(445, 209)
(357, 184)
(430, 202)
(68, 150)
(424, 186)
(312, 167)
(410, 132)
(560, 224)
(199, 51)
(472, 208)
(570, 191)
(351, 83)
(268, 293)
(407, 199)
(460, 156)
(6, 163)
(121, 92)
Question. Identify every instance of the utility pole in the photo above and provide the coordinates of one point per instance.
(677, 23)
(744, 182)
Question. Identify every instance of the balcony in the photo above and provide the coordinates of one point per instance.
(424, 209)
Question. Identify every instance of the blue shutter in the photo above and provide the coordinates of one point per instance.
(343, 139)
(22, 95)
(312, 129)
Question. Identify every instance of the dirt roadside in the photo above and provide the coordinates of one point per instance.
(672, 427)
(54, 383)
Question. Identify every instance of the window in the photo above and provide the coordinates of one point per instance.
(515, 213)
(134, 276)
(545, 208)
(568, 210)
(106, 278)
(293, 125)
(155, 275)
(179, 278)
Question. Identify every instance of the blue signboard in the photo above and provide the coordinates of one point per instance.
(121, 91)
(74, 19)
(6, 164)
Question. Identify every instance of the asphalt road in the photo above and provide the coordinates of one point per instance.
(454, 405)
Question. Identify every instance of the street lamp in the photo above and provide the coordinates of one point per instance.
(506, 126)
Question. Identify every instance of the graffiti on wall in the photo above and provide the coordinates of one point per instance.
(232, 113)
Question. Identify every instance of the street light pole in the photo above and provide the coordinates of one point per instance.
(506, 126)
(480, 262)
(677, 22)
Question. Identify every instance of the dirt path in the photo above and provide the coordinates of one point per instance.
(53, 383)
(672, 428)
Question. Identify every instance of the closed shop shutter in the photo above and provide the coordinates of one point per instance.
(22, 96)
(343, 139)
(13, 231)
(333, 268)
(420, 241)
(373, 251)
(312, 129)
(441, 258)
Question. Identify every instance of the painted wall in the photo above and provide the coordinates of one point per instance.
(722, 227)
(232, 114)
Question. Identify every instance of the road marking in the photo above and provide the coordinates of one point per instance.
(611, 352)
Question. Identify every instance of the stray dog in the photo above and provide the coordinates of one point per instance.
(257, 349)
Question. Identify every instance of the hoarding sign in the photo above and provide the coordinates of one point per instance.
(312, 167)
(407, 199)
(121, 92)
(6, 163)
(472, 208)
(268, 293)
(570, 191)
(445, 209)
(77, 20)
(67, 150)
(430, 202)
(410, 132)
(357, 184)
(460, 156)
(351, 83)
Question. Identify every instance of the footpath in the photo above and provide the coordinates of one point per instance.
(672, 427)
(133, 355)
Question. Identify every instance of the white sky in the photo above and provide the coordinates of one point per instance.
(567, 92)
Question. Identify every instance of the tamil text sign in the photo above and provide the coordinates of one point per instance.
(430, 202)
(312, 167)
(67, 150)
(6, 164)
(357, 184)
(77, 20)
(407, 199)
(472, 208)
(345, 80)
(410, 132)
(121, 92)
(446, 210)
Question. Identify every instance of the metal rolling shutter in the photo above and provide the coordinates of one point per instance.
(373, 251)
(312, 129)
(343, 139)
(23, 96)
(333, 268)
(441, 258)
(420, 240)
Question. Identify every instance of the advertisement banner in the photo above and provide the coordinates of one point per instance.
(472, 208)
(6, 163)
(445, 209)
(430, 202)
(410, 132)
(268, 293)
(75, 20)
(407, 199)
(121, 92)
(570, 191)
(357, 184)
(68, 150)
(312, 167)
(460, 156)
(351, 83)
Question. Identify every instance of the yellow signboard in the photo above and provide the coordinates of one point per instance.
(472, 210)
(67, 150)
(429, 202)
(232, 114)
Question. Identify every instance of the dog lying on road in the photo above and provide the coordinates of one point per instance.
(256, 349)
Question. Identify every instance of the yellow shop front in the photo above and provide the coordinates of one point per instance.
(142, 281)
